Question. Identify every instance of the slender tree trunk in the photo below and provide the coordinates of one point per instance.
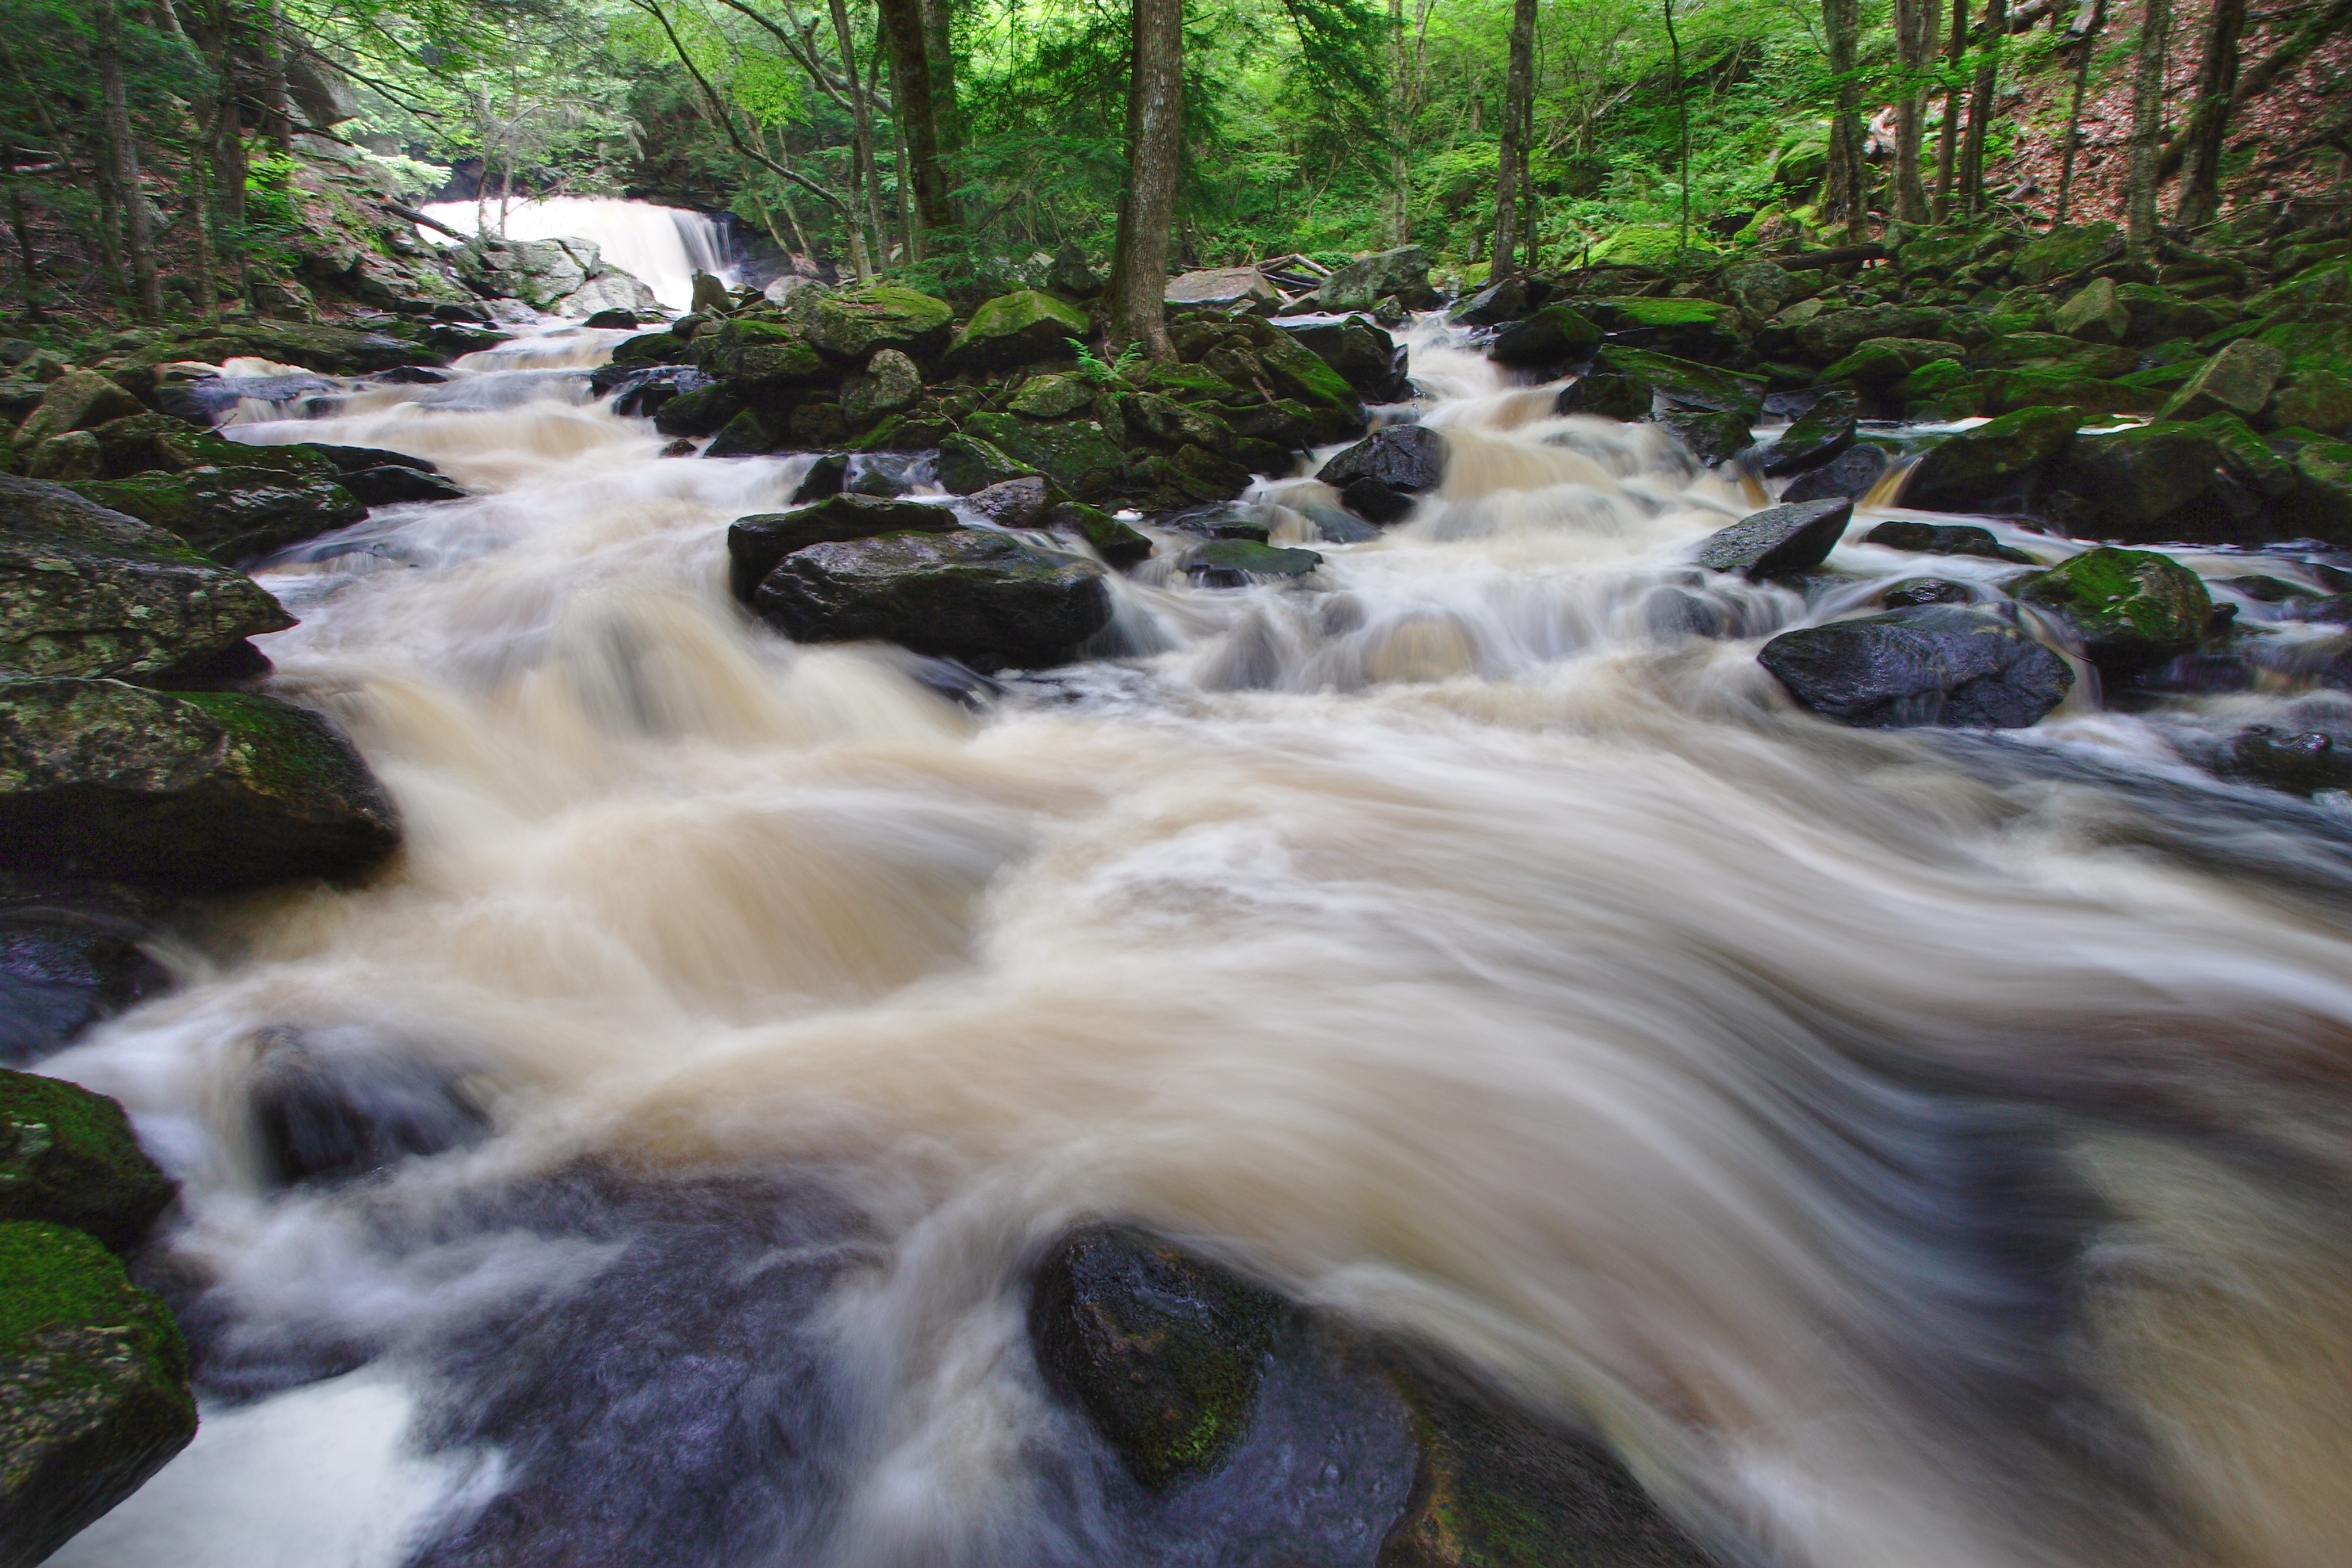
(866, 177)
(228, 151)
(2217, 80)
(939, 54)
(24, 227)
(1915, 38)
(1510, 165)
(1400, 132)
(1947, 140)
(122, 157)
(1984, 96)
(2090, 47)
(277, 104)
(1849, 179)
(1682, 126)
(2148, 130)
(918, 114)
(1155, 146)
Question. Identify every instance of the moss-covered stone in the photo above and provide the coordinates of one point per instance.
(1830, 335)
(889, 382)
(2238, 380)
(2315, 400)
(1991, 465)
(89, 591)
(1685, 383)
(757, 543)
(93, 1387)
(2323, 488)
(200, 791)
(1018, 329)
(1075, 454)
(1054, 396)
(1883, 361)
(78, 400)
(2064, 252)
(2129, 608)
(1941, 390)
(851, 323)
(67, 1157)
(1119, 546)
(232, 514)
(969, 465)
(2009, 392)
(2139, 475)
(2094, 314)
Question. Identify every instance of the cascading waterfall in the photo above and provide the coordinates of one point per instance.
(662, 248)
(1908, 1149)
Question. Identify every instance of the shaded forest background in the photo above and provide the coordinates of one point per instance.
(155, 151)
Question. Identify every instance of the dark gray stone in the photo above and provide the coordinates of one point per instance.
(1929, 664)
(971, 595)
(1786, 537)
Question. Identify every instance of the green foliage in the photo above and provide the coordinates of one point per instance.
(1130, 364)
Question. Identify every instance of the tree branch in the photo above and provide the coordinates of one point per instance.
(727, 120)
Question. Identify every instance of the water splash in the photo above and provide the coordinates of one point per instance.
(662, 248)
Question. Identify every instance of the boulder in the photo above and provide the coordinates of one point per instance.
(2316, 401)
(1163, 1350)
(67, 1157)
(1235, 563)
(1056, 396)
(1078, 454)
(1685, 383)
(1228, 288)
(327, 350)
(2299, 763)
(766, 365)
(79, 399)
(1710, 437)
(969, 465)
(1941, 391)
(1994, 465)
(702, 409)
(396, 484)
(2054, 353)
(2323, 500)
(1545, 340)
(1945, 539)
(1852, 474)
(1494, 305)
(1926, 590)
(2135, 478)
(1926, 665)
(195, 791)
(1379, 475)
(1017, 328)
(97, 1381)
(2238, 380)
(1778, 539)
(1813, 437)
(1884, 361)
(1692, 329)
(89, 591)
(1401, 274)
(2159, 316)
(1760, 288)
(1608, 394)
(829, 475)
(1832, 335)
(1071, 277)
(2094, 314)
(757, 543)
(971, 595)
(2064, 252)
(2129, 608)
(750, 433)
(1366, 357)
(538, 272)
(611, 293)
(232, 513)
(1119, 546)
(1013, 503)
(891, 382)
(851, 323)
(69, 957)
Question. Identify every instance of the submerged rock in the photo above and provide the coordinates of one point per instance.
(1945, 539)
(197, 791)
(67, 1157)
(1931, 663)
(968, 593)
(1233, 563)
(93, 1387)
(1379, 477)
(321, 1118)
(69, 957)
(1778, 539)
(89, 591)
(2130, 607)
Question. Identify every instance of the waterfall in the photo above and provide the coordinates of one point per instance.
(662, 248)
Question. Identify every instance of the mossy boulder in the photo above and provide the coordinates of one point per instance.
(2318, 401)
(2064, 252)
(1813, 437)
(2053, 351)
(232, 513)
(2138, 479)
(1883, 361)
(757, 543)
(702, 410)
(1544, 339)
(972, 594)
(2322, 502)
(1994, 465)
(1161, 1349)
(1075, 454)
(1605, 393)
(2010, 391)
(2318, 339)
(2094, 314)
(1119, 546)
(2161, 316)
(889, 382)
(1941, 390)
(2239, 379)
(1685, 383)
(765, 365)
(851, 323)
(79, 399)
(969, 465)
(1056, 396)
(93, 1387)
(1832, 335)
(1401, 274)
(89, 591)
(67, 1157)
(194, 791)
(2129, 608)
(1018, 329)
(1690, 329)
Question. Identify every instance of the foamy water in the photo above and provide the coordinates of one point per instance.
(661, 248)
(1905, 1151)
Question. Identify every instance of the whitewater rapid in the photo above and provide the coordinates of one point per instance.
(1905, 1149)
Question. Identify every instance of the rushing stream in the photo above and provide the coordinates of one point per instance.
(1910, 1149)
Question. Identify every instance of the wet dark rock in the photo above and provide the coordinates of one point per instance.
(1225, 521)
(1545, 340)
(2138, 479)
(616, 317)
(1852, 474)
(93, 1387)
(89, 591)
(1493, 305)
(67, 1157)
(1379, 475)
(2269, 589)
(1686, 384)
(1234, 563)
(69, 957)
(825, 476)
(1161, 1348)
(1992, 467)
(2129, 608)
(2299, 763)
(391, 485)
(324, 1118)
(1712, 438)
(1370, 359)
(193, 792)
(757, 543)
(704, 410)
(748, 435)
(1926, 590)
(1013, 503)
(971, 595)
(1813, 437)
(1119, 546)
(1945, 539)
(207, 402)
(1930, 665)
(1782, 539)
(969, 465)
(1607, 394)
(1671, 614)
(643, 393)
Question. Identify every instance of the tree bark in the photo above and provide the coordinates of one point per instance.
(1947, 140)
(123, 158)
(1399, 132)
(1510, 165)
(278, 112)
(24, 227)
(229, 147)
(1682, 126)
(2148, 130)
(912, 94)
(1841, 22)
(2090, 47)
(2216, 83)
(1155, 144)
(1984, 96)
(1915, 37)
(868, 181)
(939, 54)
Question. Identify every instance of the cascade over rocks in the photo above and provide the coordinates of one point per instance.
(1379, 476)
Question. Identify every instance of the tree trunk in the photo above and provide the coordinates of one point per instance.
(123, 158)
(867, 177)
(1915, 37)
(2089, 44)
(1984, 95)
(2321, 26)
(1155, 145)
(2217, 80)
(1510, 165)
(1841, 22)
(1947, 140)
(913, 98)
(939, 54)
(1400, 132)
(23, 226)
(277, 105)
(1682, 126)
(2148, 130)
(228, 151)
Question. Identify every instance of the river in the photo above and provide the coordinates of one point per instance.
(1908, 1149)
